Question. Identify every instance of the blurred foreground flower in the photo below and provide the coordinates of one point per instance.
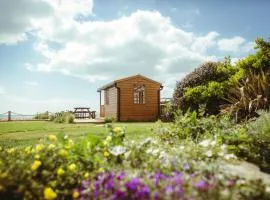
(49, 194)
(36, 165)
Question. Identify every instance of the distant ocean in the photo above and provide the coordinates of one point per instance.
(17, 117)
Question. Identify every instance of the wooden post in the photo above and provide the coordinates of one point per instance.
(9, 115)
(100, 103)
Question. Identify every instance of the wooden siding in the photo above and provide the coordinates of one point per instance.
(138, 112)
(110, 110)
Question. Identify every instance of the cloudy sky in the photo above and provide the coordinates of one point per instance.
(54, 54)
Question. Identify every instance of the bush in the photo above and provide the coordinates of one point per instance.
(249, 96)
(192, 125)
(109, 119)
(63, 117)
(205, 85)
(44, 115)
(210, 83)
(251, 142)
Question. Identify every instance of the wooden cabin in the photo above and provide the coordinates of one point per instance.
(135, 98)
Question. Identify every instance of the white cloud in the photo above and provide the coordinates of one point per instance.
(235, 44)
(144, 42)
(19, 17)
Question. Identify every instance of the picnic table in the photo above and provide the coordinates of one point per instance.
(84, 113)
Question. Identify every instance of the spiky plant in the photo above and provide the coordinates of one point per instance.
(248, 96)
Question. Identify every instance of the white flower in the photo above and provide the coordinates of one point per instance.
(267, 189)
(229, 156)
(223, 147)
(204, 143)
(213, 143)
(117, 150)
(182, 147)
(127, 155)
(155, 152)
(209, 153)
(221, 154)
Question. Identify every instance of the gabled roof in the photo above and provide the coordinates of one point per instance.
(113, 83)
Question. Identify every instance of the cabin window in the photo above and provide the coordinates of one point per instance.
(107, 97)
(139, 95)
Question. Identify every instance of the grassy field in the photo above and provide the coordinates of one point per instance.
(26, 133)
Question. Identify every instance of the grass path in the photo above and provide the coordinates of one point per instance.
(25, 133)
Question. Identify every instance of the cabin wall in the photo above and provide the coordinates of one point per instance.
(110, 109)
(138, 112)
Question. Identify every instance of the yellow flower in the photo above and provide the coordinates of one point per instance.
(72, 167)
(12, 150)
(86, 175)
(76, 194)
(39, 147)
(101, 170)
(51, 146)
(105, 143)
(70, 142)
(60, 171)
(37, 156)
(117, 130)
(27, 150)
(52, 138)
(109, 138)
(49, 194)
(36, 165)
(106, 153)
(63, 153)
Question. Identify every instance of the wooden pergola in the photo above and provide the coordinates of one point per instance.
(84, 113)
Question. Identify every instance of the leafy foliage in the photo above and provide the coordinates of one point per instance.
(44, 115)
(212, 85)
(63, 117)
(248, 96)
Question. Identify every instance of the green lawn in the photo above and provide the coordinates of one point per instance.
(26, 133)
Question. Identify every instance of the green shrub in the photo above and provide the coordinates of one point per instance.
(251, 141)
(249, 96)
(205, 85)
(44, 115)
(210, 83)
(64, 117)
(109, 119)
(70, 118)
(192, 125)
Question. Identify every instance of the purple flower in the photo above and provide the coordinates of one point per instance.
(118, 195)
(85, 184)
(109, 185)
(121, 176)
(144, 191)
(158, 176)
(169, 189)
(186, 166)
(133, 184)
(202, 185)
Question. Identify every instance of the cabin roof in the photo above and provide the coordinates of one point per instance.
(113, 83)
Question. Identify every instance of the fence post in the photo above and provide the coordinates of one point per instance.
(9, 115)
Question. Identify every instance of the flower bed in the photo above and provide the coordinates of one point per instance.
(115, 168)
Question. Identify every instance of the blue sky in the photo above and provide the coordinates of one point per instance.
(54, 54)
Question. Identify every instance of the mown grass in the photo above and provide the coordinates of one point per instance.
(27, 133)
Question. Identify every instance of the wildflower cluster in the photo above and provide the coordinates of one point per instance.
(92, 168)
(175, 185)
